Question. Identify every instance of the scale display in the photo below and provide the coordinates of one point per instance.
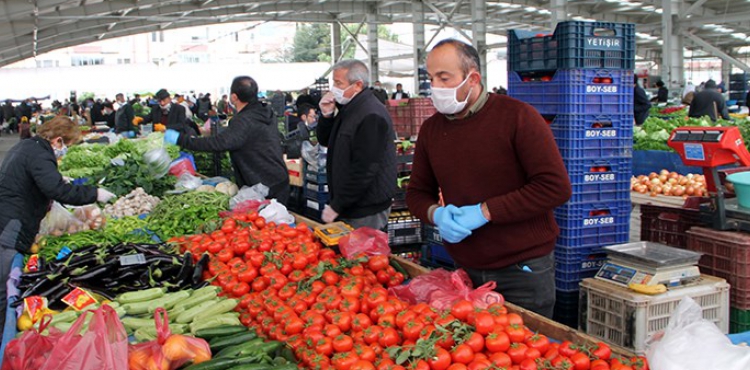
(649, 264)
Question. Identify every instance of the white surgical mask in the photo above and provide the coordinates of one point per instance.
(338, 95)
(445, 101)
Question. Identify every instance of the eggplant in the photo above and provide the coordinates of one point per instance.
(185, 277)
(104, 293)
(160, 258)
(52, 291)
(97, 272)
(36, 288)
(35, 275)
(202, 284)
(80, 261)
(41, 263)
(198, 270)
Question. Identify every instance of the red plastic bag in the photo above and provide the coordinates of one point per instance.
(180, 166)
(168, 351)
(441, 289)
(244, 207)
(104, 346)
(30, 351)
(365, 241)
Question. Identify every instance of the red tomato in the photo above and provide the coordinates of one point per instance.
(441, 361)
(516, 333)
(377, 263)
(601, 351)
(475, 342)
(517, 352)
(484, 322)
(461, 309)
(240, 289)
(538, 341)
(501, 360)
(528, 364)
(462, 354)
(497, 341)
(343, 343)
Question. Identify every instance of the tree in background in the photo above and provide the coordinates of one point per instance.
(312, 42)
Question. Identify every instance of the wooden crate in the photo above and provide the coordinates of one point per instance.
(535, 322)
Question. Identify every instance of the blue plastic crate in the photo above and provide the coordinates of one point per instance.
(593, 136)
(573, 240)
(315, 187)
(316, 177)
(599, 180)
(575, 44)
(319, 196)
(575, 91)
(404, 230)
(568, 274)
(399, 200)
(593, 218)
(437, 256)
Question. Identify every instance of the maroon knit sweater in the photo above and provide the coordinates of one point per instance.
(504, 155)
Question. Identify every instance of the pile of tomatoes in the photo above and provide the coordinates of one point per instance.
(338, 314)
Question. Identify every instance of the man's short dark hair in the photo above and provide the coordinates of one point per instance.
(245, 88)
(304, 109)
(660, 83)
(119, 95)
(469, 56)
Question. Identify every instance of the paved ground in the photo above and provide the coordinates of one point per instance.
(6, 142)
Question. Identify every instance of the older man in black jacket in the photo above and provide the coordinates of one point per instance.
(169, 114)
(252, 140)
(361, 154)
(709, 102)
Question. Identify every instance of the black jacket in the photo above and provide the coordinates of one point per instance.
(641, 105)
(361, 157)
(252, 140)
(404, 95)
(707, 103)
(381, 94)
(176, 118)
(662, 95)
(124, 119)
(29, 181)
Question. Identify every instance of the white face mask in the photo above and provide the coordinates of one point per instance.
(338, 95)
(445, 101)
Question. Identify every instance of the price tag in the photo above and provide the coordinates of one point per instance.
(64, 252)
(34, 306)
(132, 259)
(694, 152)
(33, 264)
(79, 299)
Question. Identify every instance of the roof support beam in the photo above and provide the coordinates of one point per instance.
(717, 52)
(692, 8)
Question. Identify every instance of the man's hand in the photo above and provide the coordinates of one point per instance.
(445, 220)
(327, 104)
(471, 217)
(329, 215)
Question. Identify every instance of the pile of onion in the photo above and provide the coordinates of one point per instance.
(670, 184)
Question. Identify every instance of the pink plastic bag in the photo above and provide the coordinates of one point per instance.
(364, 240)
(31, 350)
(181, 166)
(441, 289)
(168, 351)
(244, 207)
(104, 346)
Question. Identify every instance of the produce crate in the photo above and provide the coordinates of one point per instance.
(599, 180)
(668, 225)
(314, 209)
(316, 177)
(593, 218)
(408, 118)
(404, 163)
(620, 316)
(575, 44)
(297, 201)
(403, 228)
(313, 187)
(739, 320)
(647, 161)
(437, 255)
(575, 91)
(431, 235)
(592, 131)
(575, 264)
(578, 237)
(566, 308)
(319, 196)
(10, 330)
(399, 200)
(726, 254)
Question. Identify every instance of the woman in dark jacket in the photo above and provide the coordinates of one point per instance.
(29, 182)
(641, 104)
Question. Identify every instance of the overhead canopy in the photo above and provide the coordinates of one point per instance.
(29, 27)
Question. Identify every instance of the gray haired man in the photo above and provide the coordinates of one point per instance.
(361, 161)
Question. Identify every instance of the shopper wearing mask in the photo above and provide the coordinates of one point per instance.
(501, 175)
(379, 92)
(169, 114)
(252, 140)
(29, 182)
(361, 163)
(308, 122)
(124, 117)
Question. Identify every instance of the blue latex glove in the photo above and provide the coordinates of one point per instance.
(445, 220)
(171, 136)
(471, 217)
(129, 134)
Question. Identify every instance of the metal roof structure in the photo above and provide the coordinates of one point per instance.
(717, 27)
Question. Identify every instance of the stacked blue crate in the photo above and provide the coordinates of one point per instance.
(581, 80)
(315, 188)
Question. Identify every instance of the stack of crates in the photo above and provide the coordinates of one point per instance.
(404, 230)
(580, 79)
(408, 115)
(316, 187)
(726, 254)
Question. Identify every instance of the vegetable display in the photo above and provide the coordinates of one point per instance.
(669, 112)
(184, 214)
(137, 202)
(670, 184)
(654, 133)
(132, 174)
(338, 313)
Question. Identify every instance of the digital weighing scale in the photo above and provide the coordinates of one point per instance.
(649, 263)
(711, 148)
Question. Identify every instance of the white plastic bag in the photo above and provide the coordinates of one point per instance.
(60, 221)
(186, 181)
(692, 343)
(255, 192)
(276, 212)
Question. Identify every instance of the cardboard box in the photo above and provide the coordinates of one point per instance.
(294, 167)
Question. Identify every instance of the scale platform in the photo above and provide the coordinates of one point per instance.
(650, 264)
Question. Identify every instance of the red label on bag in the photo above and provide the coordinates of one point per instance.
(34, 305)
(79, 299)
(33, 264)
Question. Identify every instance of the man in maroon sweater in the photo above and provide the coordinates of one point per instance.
(501, 175)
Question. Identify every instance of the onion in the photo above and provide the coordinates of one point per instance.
(672, 181)
(655, 181)
(657, 189)
(690, 190)
(664, 173)
(683, 180)
(663, 178)
(678, 191)
(653, 193)
(674, 175)
(652, 175)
